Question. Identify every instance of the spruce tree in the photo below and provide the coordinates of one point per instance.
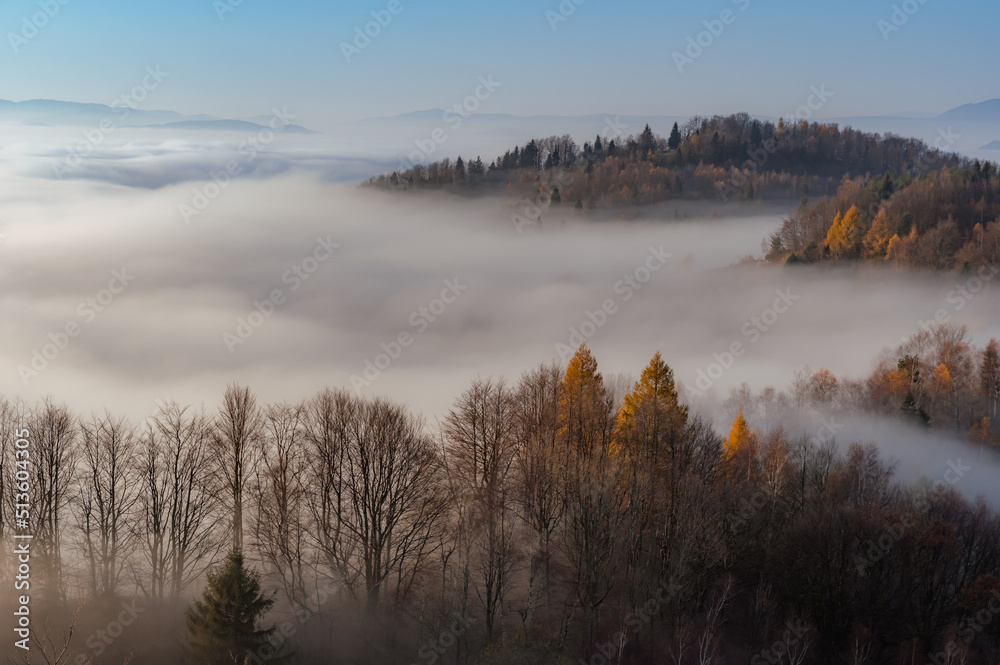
(674, 141)
(222, 625)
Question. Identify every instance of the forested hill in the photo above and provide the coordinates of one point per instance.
(730, 158)
(942, 219)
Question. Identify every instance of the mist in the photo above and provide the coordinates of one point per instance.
(520, 296)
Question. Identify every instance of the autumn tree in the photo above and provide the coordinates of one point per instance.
(585, 407)
(741, 438)
(841, 237)
(876, 240)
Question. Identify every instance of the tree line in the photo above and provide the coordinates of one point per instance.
(563, 517)
(941, 219)
(734, 157)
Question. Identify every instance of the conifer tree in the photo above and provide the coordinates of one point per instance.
(652, 417)
(741, 438)
(674, 141)
(841, 237)
(222, 625)
(584, 405)
(876, 241)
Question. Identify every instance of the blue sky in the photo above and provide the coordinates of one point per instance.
(606, 57)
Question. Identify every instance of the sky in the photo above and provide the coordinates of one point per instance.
(240, 58)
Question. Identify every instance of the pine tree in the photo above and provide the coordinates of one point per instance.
(674, 141)
(222, 625)
(755, 137)
(647, 142)
(459, 170)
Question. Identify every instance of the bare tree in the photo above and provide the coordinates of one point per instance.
(326, 426)
(109, 488)
(53, 458)
(177, 503)
(540, 506)
(236, 440)
(378, 504)
(279, 499)
(481, 446)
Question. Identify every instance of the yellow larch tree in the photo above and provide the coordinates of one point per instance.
(876, 241)
(651, 416)
(584, 407)
(841, 237)
(741, 437)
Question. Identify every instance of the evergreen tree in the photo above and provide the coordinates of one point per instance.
(674, 141)
(990, 374)
(755, 137)
(647, 142)
(459, 170)
(222, 625)
(530, 156)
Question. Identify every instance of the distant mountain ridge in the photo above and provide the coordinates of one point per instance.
(52, 113)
